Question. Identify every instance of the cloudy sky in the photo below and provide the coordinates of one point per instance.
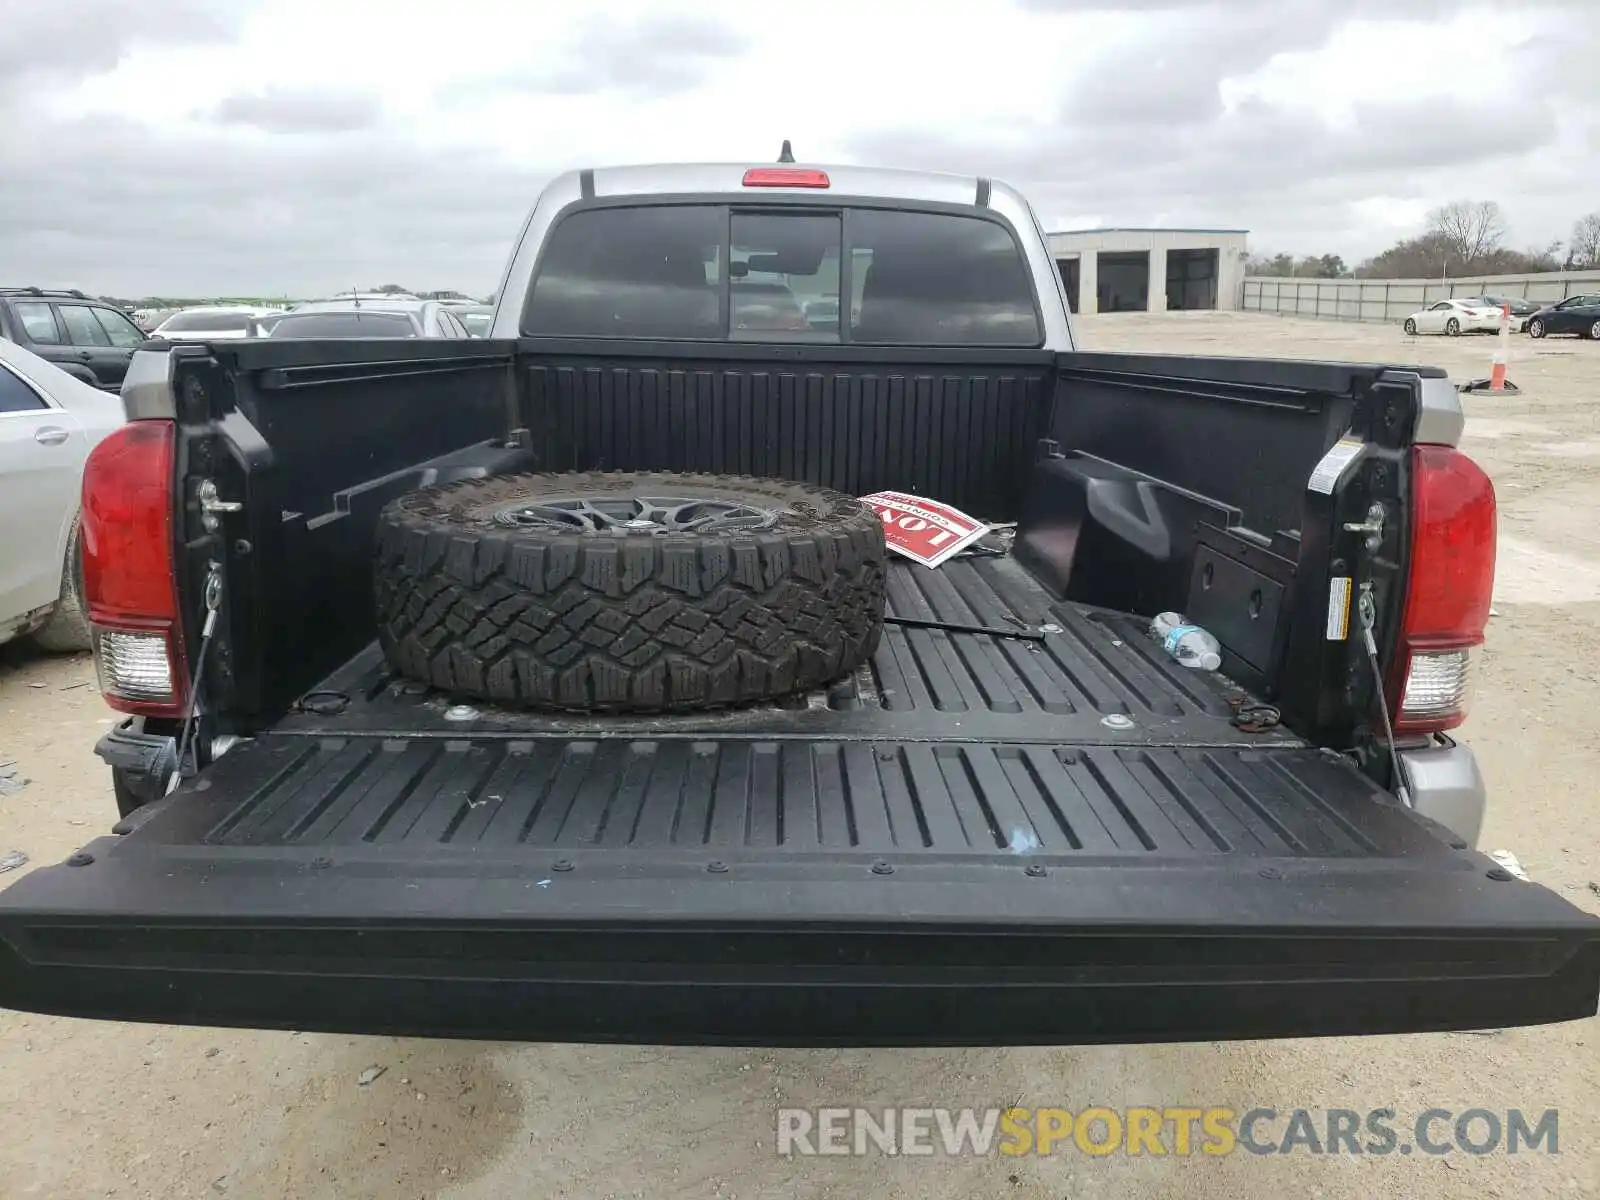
(303, 146)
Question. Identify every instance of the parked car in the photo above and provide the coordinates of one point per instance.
(1452, 317)
(209, 324)
(1517, 310)
(49, 421)
(1520, 306)
(87, 338)
(1575, 314)
(385, 318)
(475, 318)
(766, 307)
(558, 686)
(822, 314)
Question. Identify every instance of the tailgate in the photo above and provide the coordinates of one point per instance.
(790, 890)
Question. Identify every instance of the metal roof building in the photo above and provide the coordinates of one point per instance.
(1150, 270)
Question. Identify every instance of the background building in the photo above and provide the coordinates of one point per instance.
(1150, 270)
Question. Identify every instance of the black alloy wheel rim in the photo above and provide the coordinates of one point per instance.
(624, 515)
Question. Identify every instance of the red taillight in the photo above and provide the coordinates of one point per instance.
(795, 177)
(1450, 586)
(129, 585)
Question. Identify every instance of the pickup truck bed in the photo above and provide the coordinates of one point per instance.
(955, 744)
(1018, 823)
(952, 846)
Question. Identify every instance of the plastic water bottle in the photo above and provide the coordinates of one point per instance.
(1189, 644)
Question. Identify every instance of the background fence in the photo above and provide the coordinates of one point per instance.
(1396, 299)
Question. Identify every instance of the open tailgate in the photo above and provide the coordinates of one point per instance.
(980, 840)
(719, 891)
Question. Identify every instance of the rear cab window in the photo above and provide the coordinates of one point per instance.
(652, 271)
(780, 266)
(846, 275)
(932, 279)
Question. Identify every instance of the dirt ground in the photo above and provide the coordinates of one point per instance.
(92, 1109)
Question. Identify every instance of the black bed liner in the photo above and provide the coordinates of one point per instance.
(1055, 687)
(952, 743)
(978, 840)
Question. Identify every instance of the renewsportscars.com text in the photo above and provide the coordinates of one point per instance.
(1178, 1131)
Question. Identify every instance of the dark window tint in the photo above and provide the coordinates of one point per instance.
(82, 328)
(199, 322)
(16, 396)
(343, 325)
(39, 323)
(119, 329)
(647, 272)
(934, 280)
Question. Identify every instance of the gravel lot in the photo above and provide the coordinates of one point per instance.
(128, 1110)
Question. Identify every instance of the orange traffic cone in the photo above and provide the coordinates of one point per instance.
(1497, 381)
(1497, 374)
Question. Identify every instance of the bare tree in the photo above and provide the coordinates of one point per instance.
(1471, 230)
(1585, 244)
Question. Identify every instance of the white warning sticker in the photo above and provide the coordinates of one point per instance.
(1333, 463)
(1338, 608)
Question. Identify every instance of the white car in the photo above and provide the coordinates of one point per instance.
(1451, 317)
(209, 324)
(49, 422)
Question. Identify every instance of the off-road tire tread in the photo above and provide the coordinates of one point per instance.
(595, 623)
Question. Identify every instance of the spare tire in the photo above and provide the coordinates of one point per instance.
(630, 592)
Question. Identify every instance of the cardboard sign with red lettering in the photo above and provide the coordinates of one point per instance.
(923, 530)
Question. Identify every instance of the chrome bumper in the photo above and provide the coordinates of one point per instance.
(1447, 787)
